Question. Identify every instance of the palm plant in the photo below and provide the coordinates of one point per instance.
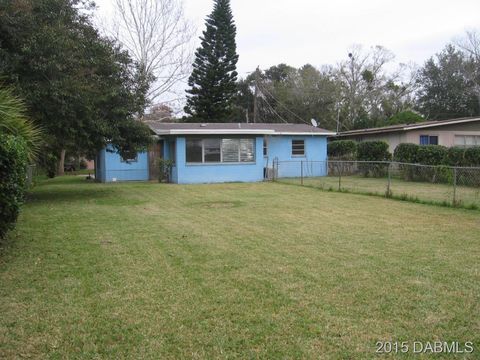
(13, 121)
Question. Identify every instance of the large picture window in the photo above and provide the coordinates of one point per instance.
(215, 150)
(467, 140)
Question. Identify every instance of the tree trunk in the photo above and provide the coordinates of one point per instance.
(61, 163)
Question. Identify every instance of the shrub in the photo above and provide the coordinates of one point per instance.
(342, 149)
(472, 156)
(455, 156)
(373, 151)
(431, 154)
(165, 170)
(13, 164)
(406, 153)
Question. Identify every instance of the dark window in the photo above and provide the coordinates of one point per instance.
(211, 150)
(428, 140)
(194, 150)
(298, 147)
(423, 139)
(265, 146)
(129, 157)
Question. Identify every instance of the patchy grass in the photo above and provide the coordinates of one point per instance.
(146, 270)
(441, 194)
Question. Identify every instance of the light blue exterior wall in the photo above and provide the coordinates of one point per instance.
(313, 162)
(111, 167)
(279, 148)
(215, 173)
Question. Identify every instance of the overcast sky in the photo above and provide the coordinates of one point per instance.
(319, 32)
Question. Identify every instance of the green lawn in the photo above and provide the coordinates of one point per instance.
(423, 191)
(146, 270)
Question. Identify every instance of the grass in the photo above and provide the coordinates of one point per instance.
(146, 270)
(467, 197)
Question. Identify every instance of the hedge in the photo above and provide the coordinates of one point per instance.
(431, 155)
(373, 151)
(406, 153)
(13, 163)
(437, 155)
(342, 149)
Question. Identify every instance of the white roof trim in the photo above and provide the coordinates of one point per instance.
(303, 133)
(453, 122)
(236, 131)
(212, 131)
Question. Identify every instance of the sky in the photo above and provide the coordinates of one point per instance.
(297, 32)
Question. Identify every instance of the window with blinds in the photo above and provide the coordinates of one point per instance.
(467, 140)
(215, 150)
(298, 147)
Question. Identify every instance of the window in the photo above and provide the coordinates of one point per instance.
(211, 150)
(194, 150)
(247, 150)
(129, 157)
(467, 140)
(265, 146)
(215, 150)
(298, 147)
(428, 140)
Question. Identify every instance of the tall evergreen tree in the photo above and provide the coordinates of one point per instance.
(214, 75)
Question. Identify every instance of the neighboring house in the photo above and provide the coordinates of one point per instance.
(221, 152)
(456, 132)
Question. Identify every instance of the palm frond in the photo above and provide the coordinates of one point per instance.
(14, 121)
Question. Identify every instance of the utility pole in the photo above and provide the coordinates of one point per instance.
(255, 98)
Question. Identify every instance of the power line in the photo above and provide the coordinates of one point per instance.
(264, 90)
(275, 112)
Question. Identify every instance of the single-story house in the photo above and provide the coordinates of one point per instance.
(455, 132)
(220, 152)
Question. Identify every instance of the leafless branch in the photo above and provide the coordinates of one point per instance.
(159, 37)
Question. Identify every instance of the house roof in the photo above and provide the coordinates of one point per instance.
(407, 127)
(235, 129)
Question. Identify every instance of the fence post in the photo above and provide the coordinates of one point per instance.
(301, 172)
(275, 169)
(454, 186)
(340, 176)
(389, 182)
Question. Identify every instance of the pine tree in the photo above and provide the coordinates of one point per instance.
(214, 75)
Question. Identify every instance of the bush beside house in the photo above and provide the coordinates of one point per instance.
(437, 155)
(342, 150)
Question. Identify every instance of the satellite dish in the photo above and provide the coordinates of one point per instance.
(314, 123)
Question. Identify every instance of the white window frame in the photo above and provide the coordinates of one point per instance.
(464, 138)
(203, 162)
(304, 148)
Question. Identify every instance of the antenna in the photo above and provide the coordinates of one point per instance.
(314, 123)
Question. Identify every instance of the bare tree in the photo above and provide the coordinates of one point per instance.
(367, 88)
(158, 36)
(470, 46)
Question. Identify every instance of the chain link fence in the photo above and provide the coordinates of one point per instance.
(450, 186)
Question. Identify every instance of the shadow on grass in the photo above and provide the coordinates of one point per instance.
(69, 195)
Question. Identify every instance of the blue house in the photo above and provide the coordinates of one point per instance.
(225, 152)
